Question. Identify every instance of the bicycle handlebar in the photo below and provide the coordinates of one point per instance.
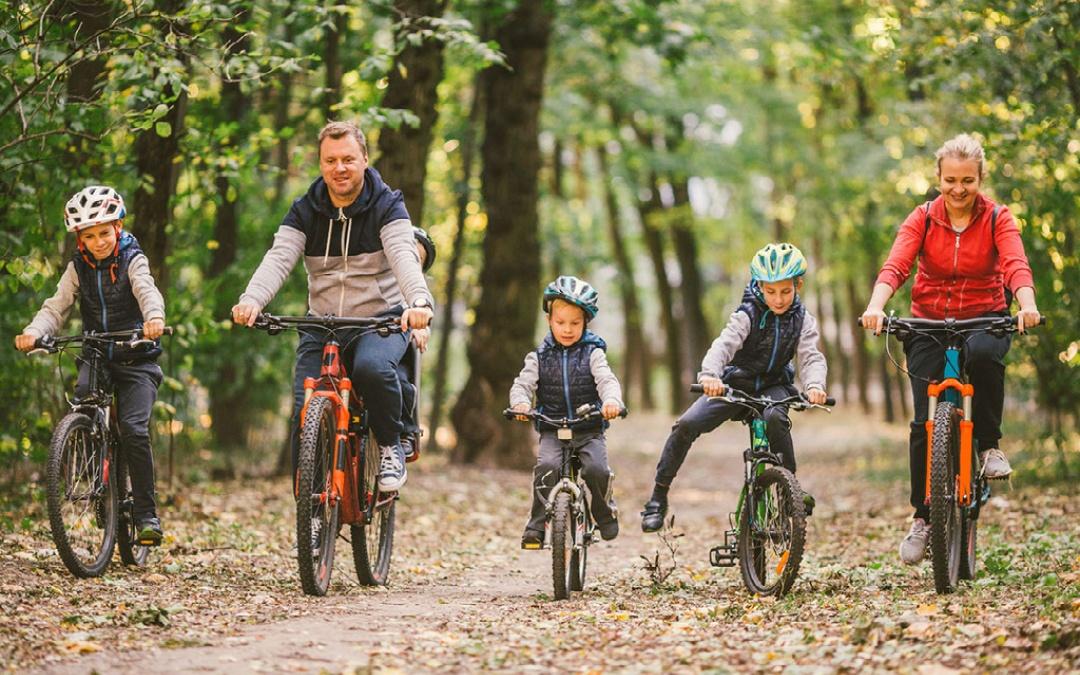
(132, 338)
(588, 413)
(732, 395)
(274, 324)
(899, 325)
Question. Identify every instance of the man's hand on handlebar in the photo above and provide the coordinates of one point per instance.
(816, 396)
(416, 317)
(712, 386)
(245, 314)
(25, 342)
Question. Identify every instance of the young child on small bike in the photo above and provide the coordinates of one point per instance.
(752, 354)
(570, 369)
(109, 276)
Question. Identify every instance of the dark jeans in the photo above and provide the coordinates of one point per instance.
(706, 414)
(136, 386)
(374, 363)
(409, 414)
(592, 453)
(984, 364)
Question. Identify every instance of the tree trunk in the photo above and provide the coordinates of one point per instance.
(506, 316)
(332, 37)
(416, 73)
(282, 120)
(692, 287)
(862, 375)
(445, 326)
(887, 390)
(636, 359)
(843, 357)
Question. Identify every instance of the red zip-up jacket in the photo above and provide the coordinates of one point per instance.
(960, 274)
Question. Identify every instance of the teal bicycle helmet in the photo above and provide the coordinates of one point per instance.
(777, 262)
(572, 290)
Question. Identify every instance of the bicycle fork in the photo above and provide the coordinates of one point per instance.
(966, 392)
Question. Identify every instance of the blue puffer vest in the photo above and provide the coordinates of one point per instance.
(566, 382)
(106, 300)
(765, 357)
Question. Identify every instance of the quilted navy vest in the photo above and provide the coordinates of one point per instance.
(765, 358)
(566, 382)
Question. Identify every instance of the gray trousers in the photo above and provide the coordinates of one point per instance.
(592, 453)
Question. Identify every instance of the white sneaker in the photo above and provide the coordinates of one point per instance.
(392, 473)
(913, 547)
(995, 464)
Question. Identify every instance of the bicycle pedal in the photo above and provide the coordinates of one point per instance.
(532, 546)
(722, 556)
(149, 541)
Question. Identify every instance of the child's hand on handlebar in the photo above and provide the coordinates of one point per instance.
(153, 329)
(611, 410)
(816, 396)
(521, 408)
(25, 342)
(712, 386)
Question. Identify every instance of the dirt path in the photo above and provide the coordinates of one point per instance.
(463, 597)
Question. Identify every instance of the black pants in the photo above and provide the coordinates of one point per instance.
(984, 364)
(706, 414)
(136, 386)
(592, 453)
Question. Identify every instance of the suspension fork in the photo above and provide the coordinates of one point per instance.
(966, 392)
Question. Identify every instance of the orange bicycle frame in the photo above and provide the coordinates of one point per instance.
(967, 392)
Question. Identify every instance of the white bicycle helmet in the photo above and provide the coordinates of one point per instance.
(93, 205)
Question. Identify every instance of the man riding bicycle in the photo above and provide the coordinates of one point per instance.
(361, 260)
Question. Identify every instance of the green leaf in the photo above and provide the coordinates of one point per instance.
(163, 129)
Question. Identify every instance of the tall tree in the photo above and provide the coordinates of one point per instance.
(506, 315)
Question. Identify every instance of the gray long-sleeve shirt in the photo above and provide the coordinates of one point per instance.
(54, 311)
(607, 384)
(812, 366)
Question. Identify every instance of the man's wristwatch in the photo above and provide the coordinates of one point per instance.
(421, 303)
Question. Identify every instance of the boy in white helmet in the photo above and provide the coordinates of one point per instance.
(109, 276)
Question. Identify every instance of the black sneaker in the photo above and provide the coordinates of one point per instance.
(652, 518)
(532, 539)
(609, 531)
(808, 503)
(408, 447)
(149, 531)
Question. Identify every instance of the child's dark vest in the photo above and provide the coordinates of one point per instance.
(106, 300)
(566, 382)
(765, 357)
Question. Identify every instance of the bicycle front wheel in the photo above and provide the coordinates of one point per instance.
(562, 545)
(373, 539)
(580, 556)
(772, 533)
(945, 516)
(316, 510)
(127, 534)
(81, 495)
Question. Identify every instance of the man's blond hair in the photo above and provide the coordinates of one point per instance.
(337, 130)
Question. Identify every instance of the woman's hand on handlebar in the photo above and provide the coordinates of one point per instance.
(1027, 317)
(712, 386)
(816, 396)
(873, 319)
(521, 408)
(245, 314)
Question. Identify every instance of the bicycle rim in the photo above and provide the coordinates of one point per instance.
(127, 535)
(81, 495)
(945, 516)
(562, 544)
(316, 516)
(580, 556)
(772, 533)
(373, 542)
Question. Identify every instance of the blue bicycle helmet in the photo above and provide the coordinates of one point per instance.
(572, 290)
(777, 262)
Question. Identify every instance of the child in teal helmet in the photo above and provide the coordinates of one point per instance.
(753, 354)
(570, 369)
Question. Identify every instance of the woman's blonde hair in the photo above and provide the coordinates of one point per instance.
(962, 147)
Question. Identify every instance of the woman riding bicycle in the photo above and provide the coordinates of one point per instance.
(971, 261)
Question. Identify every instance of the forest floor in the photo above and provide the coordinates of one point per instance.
(222, 594)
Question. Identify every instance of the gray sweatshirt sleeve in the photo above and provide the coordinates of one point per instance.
(274, 269)
(607, 385)
(145, 290)
(724, 347)
(525, 383)
(399, 245)
(812, 366)
(54, 311)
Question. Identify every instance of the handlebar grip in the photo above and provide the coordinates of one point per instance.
(1042, 319)
(624, 412)
(697, 389)
(858, 321)
(830, 401)
(169, 330)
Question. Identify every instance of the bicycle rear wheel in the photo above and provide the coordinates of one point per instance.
(316, 512)
(373, 540)
(127, 535)
(772, 533)
(562, 545)
(81, 496)
(945, 512)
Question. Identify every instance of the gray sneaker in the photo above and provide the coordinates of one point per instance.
(913, 547)
(995, 464)
(392, 473)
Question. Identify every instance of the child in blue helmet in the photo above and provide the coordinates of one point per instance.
(753, 354)
(570, 369)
